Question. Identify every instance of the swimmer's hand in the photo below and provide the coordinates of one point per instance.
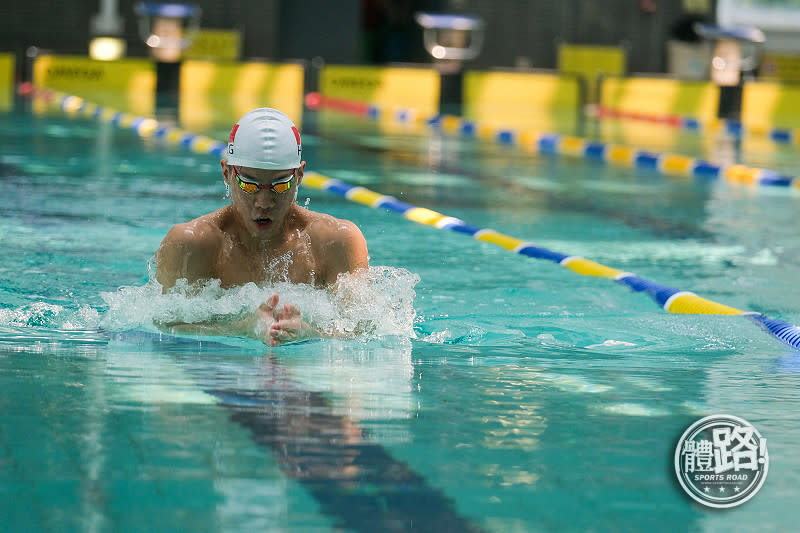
(270, 323)
(284, 325)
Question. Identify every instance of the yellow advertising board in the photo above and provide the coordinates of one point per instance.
(642, 134)
(661, 96)
(7, 65)
(769, 104)
(410, 87)
(219, 93)
(126, 84)
(216, 45)
(591, 62)
(536, 100)
(780, 67)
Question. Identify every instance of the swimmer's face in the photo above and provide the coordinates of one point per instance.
(262, 197)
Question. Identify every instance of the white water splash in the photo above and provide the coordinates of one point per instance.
(46, 315)
(764, 257)
(611, 343)
(438, 337)
(378, 301)
(633, 409)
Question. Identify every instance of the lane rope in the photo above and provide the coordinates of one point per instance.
(735, 128)
(671, 299)
(664, 163)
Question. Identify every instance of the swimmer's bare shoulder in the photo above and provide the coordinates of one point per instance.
(338, 243)
(190, 250)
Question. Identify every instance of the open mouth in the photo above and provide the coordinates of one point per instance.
(263, 222)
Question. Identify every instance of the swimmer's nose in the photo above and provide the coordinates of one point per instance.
(264, 198)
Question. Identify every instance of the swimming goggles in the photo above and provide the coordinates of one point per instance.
(251, 187)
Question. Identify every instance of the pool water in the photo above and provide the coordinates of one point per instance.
(497, 392)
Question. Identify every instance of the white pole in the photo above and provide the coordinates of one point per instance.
(107, 22)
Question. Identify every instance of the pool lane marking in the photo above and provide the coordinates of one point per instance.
(360, 484)
(736, 128)
(670, 299)
(355, 480)
(388, 492)
(664, 163)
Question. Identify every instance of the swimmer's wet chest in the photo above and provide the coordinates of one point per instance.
(294, 262)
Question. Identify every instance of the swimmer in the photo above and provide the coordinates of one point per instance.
(263, 236)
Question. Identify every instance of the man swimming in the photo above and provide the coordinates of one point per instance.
(263, 236)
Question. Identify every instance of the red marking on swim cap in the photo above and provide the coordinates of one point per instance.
(296, 135)
(233, 132)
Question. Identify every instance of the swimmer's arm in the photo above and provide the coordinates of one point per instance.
(347, 256)
(345, 251)
(187, 252)
(230, 328)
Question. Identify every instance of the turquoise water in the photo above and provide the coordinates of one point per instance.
(499, 393)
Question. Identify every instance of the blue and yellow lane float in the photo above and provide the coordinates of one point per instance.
(75, 106)
(735, 128)
(565, 145)
(670, 299)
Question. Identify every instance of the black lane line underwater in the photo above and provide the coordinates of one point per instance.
(356, 482)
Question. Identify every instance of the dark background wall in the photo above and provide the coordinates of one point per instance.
(64, 26)
(518, 32)
(529, 32)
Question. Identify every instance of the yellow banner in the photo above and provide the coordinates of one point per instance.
(641, 134)
(767, 104)
(416, 88)
(539, 101)
(7, 65)
(591, 62)
(219, 93)
(216, 45)
(126, 84)
(661, 96)
(780, 67)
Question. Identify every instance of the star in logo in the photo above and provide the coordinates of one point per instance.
(722, 489)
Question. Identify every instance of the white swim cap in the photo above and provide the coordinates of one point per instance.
(265, 138)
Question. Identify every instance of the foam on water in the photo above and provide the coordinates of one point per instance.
(47, 315)
(378, 302)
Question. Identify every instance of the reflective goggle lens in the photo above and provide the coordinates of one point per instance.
(283, 186)
(250, 187)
